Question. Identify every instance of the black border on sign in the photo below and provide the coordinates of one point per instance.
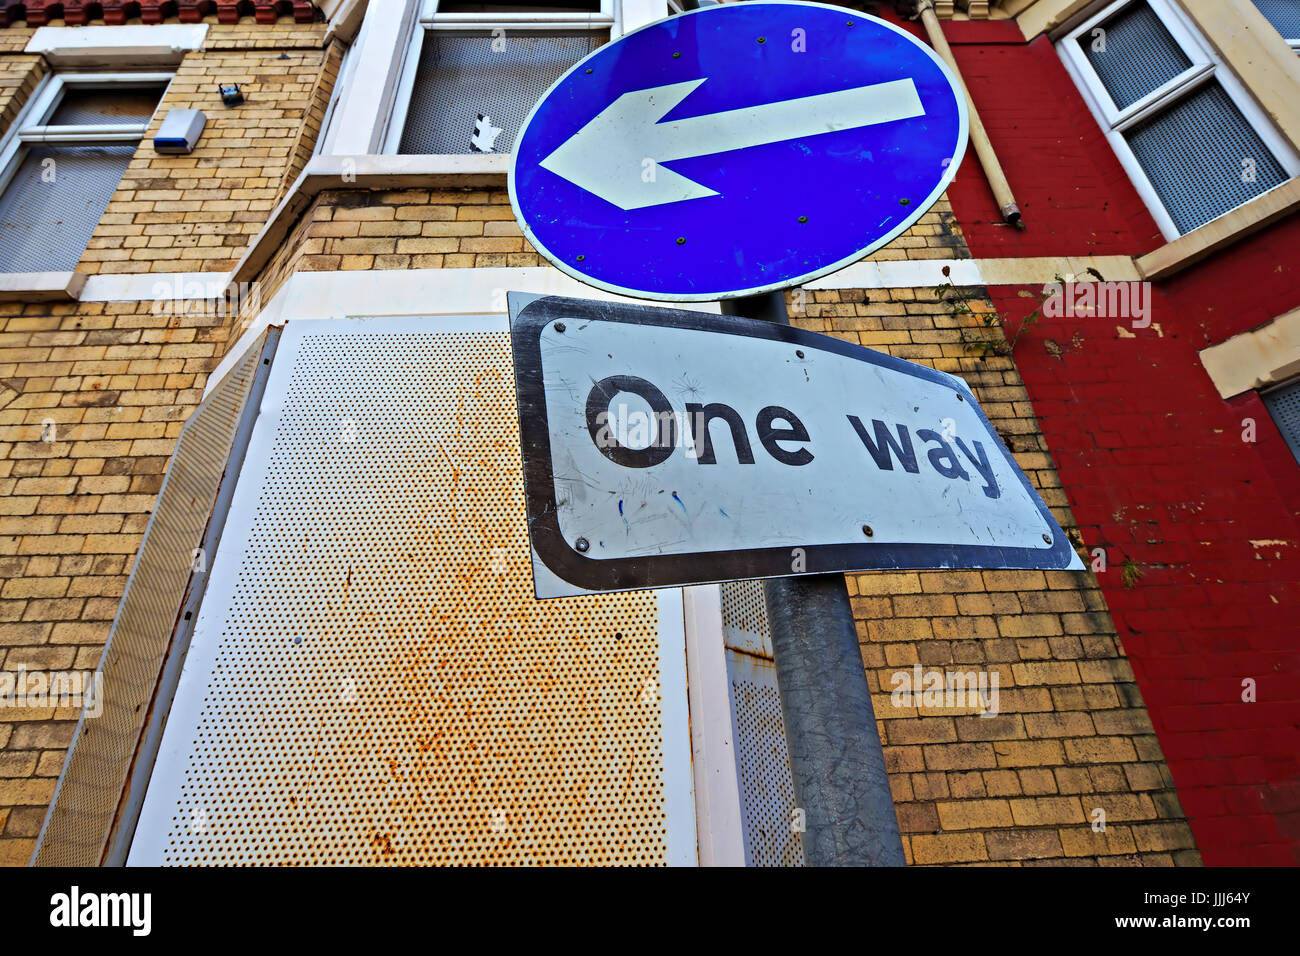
(658, 571)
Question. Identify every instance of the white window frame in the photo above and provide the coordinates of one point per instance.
(29, 127)
(430, 18)
(1205, 67)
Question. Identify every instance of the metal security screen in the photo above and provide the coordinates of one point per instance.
(767, 801)
(465, 74)
(1203, 158)
(1284, 405)
(53, 203)
(1283, 14)
(1133, 54)
(116, 106)
(370, 679)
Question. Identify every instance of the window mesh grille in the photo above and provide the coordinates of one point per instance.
(1283, 14)
(53, 203)
(116, 106)
(1203, 157)
(1134, 54)
(461, 76)
(1284, 405)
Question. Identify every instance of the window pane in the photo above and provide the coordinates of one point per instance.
(1283, 14)
(53, 204)
(118, 106)
(1284, 405)
(1203, 157)
(461, 76)
(1134, 54)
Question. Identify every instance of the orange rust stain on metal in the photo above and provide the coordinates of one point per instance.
(434, 711)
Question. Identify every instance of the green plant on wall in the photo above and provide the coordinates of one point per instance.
(984, 340)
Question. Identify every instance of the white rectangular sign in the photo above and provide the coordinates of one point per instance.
(665, 447)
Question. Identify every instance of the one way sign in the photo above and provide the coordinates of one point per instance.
(664, 447)
(736, 149)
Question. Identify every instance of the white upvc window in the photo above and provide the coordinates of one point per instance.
(1285, 17)
(473, 72)
(1191, 138)
(62, 160)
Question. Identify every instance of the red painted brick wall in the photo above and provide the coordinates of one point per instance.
(1075, 197)
(1152, 458)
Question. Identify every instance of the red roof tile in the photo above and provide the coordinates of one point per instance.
(80, 12)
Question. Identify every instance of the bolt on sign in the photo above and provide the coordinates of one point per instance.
(736, 149)
(664, 447)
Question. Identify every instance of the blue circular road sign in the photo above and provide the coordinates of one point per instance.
(735, 150)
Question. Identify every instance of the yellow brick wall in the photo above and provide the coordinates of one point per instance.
(314, 116)
(197, 213)
(1072, 735)
(18, 77)
(118, 381)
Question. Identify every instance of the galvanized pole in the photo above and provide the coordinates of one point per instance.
(830, 727)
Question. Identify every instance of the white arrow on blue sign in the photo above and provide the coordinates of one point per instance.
(735, 150)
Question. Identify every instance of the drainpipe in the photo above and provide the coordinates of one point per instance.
(978, 136)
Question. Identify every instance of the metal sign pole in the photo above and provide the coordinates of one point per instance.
(836, 761)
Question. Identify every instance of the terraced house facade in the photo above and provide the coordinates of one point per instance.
(260, 480)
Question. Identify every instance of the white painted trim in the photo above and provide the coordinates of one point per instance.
(122, 46)
(40, 286)
(401, 292)
(634, 14)
(380, 52)
(1206, 67)
(679, 786)
(143, 286)
(718, 812)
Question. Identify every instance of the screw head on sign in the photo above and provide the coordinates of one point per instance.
(582, 258)
(676, 55)
(960, 398)
(560, 327)
(803, 218)
(681, 240)
(1047, 538)
(587, 71)
(762, 39)
(582, 545)
(866, 529)
(905, 202)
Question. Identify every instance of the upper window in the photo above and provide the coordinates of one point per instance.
(475, 71)
(1193, 141)
(1285, 17)
(62, 161)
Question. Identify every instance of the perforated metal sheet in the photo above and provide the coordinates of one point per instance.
(461, 76)
(53, 203)
(1283, 14)
(1134, 55)
(371, 680)
(1284, 405)
(102, 752)
(1194, 153)
(762, 757)
(762, 764)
